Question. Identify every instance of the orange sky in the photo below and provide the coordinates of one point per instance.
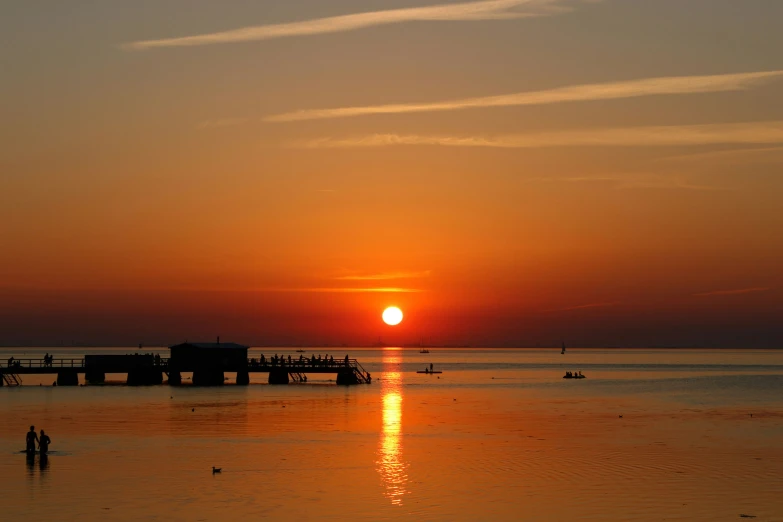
(605, 172)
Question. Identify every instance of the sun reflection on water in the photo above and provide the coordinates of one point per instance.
(391, 466)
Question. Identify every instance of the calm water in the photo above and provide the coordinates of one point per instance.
(649, 435)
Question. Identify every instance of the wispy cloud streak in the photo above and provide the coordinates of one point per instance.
(326, 290)
(733, 292)
(677, 135)
(727, 155)
(469, 11)
(385, 276)
(633, 181)
(576, 93)
(583, 307)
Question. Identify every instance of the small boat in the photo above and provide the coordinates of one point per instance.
(300, 351)
(574, 376)
(428, 371)
(424, 350)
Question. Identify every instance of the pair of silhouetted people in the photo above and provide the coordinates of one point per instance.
(43, 441)
(48, 359)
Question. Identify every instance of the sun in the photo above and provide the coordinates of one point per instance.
(392, 316)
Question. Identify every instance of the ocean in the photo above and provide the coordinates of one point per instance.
(659, 434)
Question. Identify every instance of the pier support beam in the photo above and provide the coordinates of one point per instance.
(347, 377)
(208, 378)
(243, 377)
(95, 377)
(175, 378)
(2, 381)
(144, 377)
(67, 378)
(278, 376)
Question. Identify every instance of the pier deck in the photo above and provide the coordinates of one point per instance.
(147, 369)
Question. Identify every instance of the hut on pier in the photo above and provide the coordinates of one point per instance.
(208, 362)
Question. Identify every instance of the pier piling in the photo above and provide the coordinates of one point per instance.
(243, 377)
(145, 377)
(208, 377)
(67, 378)
(95, 377)
(278, 376)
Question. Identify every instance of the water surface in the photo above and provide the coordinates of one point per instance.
(649, 435)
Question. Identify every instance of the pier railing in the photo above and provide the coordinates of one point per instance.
(296, 367)
(252, 364)
(41, 363)
(296, 363)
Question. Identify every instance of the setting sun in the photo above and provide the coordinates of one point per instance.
(392, 316)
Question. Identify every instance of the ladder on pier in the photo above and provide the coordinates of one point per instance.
(298, 376)
(11, 379)
(362, 375)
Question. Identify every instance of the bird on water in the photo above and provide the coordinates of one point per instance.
(216, 470)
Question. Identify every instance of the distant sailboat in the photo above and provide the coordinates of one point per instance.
(562, 352)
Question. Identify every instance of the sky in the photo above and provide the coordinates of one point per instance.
(507, 172)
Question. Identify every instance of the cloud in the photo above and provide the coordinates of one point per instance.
(469, 11)
(385, 276)
(732, 292)
(675, 135)
(633, 181)
(671, 184)
(319, 290)
(575, 93)
(584, 306)
(726, 155)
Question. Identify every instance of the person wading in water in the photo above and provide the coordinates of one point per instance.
(43, 443)
(32, 438)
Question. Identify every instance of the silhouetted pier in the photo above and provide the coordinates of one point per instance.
(208, 362)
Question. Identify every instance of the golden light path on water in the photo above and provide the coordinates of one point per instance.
(390, 464)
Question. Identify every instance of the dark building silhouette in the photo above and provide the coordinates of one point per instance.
(208, 362)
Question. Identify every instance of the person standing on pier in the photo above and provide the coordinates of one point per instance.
(346, 360)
